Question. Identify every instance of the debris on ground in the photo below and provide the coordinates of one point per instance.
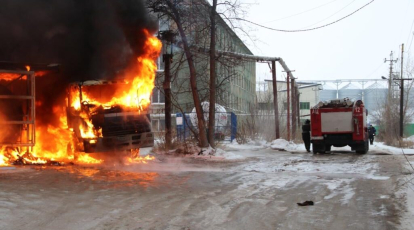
(306, 203)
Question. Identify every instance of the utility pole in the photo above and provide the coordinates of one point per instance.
(392, 61)
(389, 98)
(167, 36)
(402, 93)
(275, 101)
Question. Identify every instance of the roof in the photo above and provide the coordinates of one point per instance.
(33, 66)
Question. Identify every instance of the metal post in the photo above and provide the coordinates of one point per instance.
(402, 95)
(298, 105)
(275, 101)
(293, 96)
(33, 109)
(167, 92)
(80, 94)
(288, 107)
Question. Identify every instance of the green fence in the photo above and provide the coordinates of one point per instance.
(408, 129)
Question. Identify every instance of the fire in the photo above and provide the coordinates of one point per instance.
(13, 76)
(57, 142)
(139, 82)
(10, 76)
(136, 158)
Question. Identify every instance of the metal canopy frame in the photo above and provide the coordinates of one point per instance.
(27, 137)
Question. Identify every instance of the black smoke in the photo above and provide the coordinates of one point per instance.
(91, 39)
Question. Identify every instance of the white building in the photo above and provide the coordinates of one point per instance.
(308, 97)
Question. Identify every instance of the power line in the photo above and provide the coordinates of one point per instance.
(409, 47)
(412, 36)
(402, 24)
(409, 34)
(301, 12)
(304, 30)
(375, 70)
(332, 14)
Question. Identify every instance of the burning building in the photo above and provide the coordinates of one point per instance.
(101, 93)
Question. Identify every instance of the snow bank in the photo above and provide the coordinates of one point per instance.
(218, 154)
(251, 145)
(286, 145)
(227, 155)
(381, 147)
(410, 138)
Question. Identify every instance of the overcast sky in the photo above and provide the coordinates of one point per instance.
(354, 48)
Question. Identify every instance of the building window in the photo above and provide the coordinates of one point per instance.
(158, 125)
(157, 96)
(304, 105)
(155, 126)
(266, 106)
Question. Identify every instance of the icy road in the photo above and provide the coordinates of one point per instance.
(255, 188)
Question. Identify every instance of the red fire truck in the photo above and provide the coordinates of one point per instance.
(339, 123)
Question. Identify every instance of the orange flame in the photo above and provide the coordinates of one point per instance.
(56, 142)
(136, 158)
(139, 82)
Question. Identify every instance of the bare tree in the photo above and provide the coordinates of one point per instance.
(174, 12)
(196, 23)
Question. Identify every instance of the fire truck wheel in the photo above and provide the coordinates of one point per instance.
(314, 150)
(328, 147)
(363, 148)
(318, 148)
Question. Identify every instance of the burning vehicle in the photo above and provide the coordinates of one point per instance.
(102, 127)
(90, 116)
(99, 98)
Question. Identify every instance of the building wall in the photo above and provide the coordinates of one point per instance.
(235, 79)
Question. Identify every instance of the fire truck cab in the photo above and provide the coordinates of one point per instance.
(339, 123)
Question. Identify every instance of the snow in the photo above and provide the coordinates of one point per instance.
(286, 145)
(228, 155)
(381, 147)
(251, 145)
(410, 138)
(408, 193)
(281, 166)
(339, 185)
(217, 154)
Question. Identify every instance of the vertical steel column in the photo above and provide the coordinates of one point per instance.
(298, 106)
(402, 95)
(293, 95)
(33, 110)
(288, 107)
(27, 113)
(275, 101)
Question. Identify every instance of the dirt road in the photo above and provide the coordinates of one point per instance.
(261, 191)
